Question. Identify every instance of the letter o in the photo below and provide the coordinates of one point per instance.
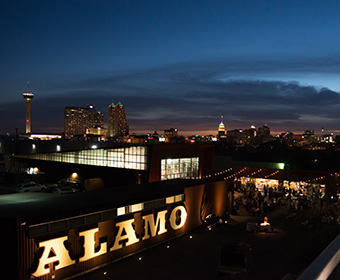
(183, 216)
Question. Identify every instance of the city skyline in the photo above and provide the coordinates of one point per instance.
(176, 64)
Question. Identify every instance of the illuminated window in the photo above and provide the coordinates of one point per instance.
(183, 168)
(121, 211)
(170, 200)
(179, 197)
(173, 199)
(128, 157)
(136, 207)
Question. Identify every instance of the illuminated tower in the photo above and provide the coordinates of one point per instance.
(28, 96)
(118, 125)
(221, 128)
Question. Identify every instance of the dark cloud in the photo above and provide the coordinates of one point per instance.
(189, 96)
(254, 115)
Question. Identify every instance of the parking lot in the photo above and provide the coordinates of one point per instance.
(61, 187)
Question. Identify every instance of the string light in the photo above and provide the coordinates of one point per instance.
(215, 174)
(255, 172)
(270, 175)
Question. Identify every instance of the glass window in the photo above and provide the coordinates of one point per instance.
(120, 211)
(170, 200)
(179, 198)
(136, 207)
(184, 168)
(173, 199)
(129, 157)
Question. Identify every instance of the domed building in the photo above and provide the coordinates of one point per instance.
(221, 129)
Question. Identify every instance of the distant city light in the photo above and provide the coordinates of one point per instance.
(94, 147)
(281, 165)
(45, 136)
(32, 170)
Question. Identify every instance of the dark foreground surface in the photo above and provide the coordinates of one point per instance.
(289, 249)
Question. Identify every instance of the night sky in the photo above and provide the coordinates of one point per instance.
(173, 63)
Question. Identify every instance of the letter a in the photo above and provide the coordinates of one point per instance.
(60, 255)
(130, 234)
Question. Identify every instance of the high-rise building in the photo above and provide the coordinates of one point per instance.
(117, 125)
(264, 130)
(78, 119)
(171, 133)
(28, 96)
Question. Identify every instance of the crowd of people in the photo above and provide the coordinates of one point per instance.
(307, 202)
(259, 200)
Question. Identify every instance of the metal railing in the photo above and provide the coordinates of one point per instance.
(326, 265)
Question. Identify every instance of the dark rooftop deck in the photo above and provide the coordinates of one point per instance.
(290, 249)
(42, 207)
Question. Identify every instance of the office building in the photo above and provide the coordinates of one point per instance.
(78, 119)
(118, 125)
(171, 133)
(264, 130)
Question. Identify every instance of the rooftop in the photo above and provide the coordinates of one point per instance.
(40, 207)
(195, 255)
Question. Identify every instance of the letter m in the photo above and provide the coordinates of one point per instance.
(153, 226)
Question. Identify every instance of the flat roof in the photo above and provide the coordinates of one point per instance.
(39, 207)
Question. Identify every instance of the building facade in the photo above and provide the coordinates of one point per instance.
(117, 125)
(78, 119)
(54, 244)
(78, 233)
(127, 164)
(264, 130)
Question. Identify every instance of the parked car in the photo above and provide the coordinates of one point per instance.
(50, 188)
(74, 184)
(30, 187)
(62, 190)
